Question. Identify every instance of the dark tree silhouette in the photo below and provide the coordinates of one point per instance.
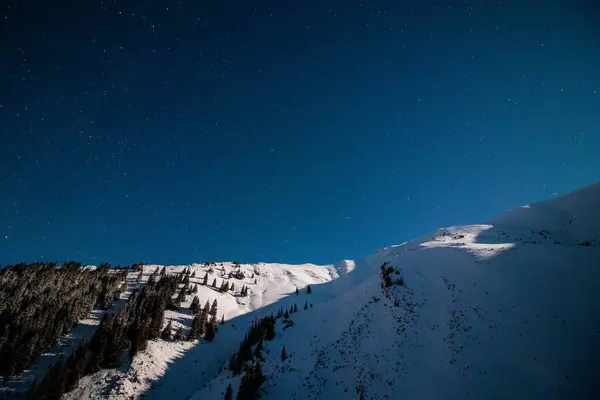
(178, 334)
(41, 302)
(195, 305)
(197, 327)
(229, 393)
(251, 383)
(214, 309)
(211, 330)
(166, 333)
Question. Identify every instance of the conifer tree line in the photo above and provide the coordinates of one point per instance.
(40, 302)
(263, 329)
(129, 328)
(205, 320)
(285, 312)
(251, 382)
(133, 325)
(260, 330)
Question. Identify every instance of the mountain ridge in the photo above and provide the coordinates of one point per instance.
(507, 308)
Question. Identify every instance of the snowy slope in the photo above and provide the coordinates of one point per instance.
(507, 309)
(274, 284)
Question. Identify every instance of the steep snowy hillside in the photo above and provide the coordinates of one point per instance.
(267, 284)
(508, 309)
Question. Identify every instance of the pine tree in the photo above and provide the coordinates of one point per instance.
(270, 329)
(224, 286)
(283, 353)
(259, 377)
(194, 274)
(286, 315)
(135, 336)
(213, 309)
(214, 284)
(258, 349)
(295, 307)
(306, 305)
(308, 290)
(211, 330)
(163, 271)
(195, 290)
(205, 280)
(178, 333)
(229, 393)
(196, 328)
(181, 296)
(297, 291)
(206, 308)
(195, 306)
(232, 288)
(222, 319)
(166, 333)
(251, 383)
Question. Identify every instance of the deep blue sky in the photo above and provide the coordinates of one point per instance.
(175, 132)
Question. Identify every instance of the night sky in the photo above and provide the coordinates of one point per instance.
(290, 131)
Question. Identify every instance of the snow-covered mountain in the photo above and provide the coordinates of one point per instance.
(507, 309)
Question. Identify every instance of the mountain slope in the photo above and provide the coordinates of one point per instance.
(507, 309)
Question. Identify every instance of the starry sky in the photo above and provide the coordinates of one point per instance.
(290, 131)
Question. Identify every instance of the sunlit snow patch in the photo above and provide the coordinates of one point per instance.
(471, 238)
